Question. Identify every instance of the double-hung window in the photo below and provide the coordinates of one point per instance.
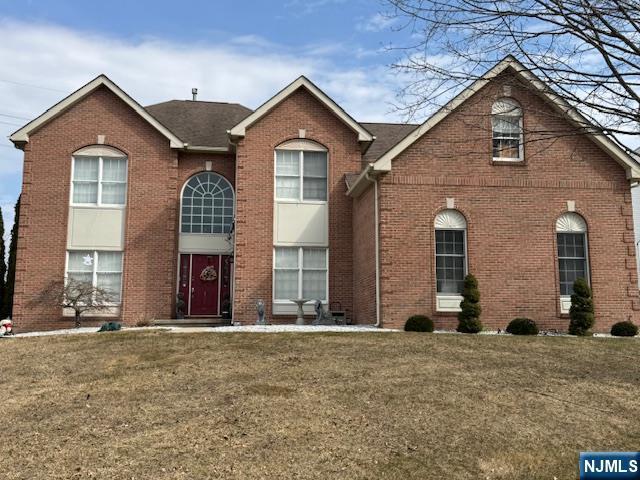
(301, 175)
(451, 259)
(300, 272)
(571, 237)
(507, 129)
(572, 260)
(99, 180)
(102, 269)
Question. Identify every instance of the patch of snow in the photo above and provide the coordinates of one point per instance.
(229, 329)
(284, 329)
(65, 331)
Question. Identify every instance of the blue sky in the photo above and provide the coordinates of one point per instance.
(232, 51)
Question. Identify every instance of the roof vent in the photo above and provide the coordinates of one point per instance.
(194, 93)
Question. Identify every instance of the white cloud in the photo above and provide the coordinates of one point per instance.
(377, 23)
(305, 7)
(154, 70)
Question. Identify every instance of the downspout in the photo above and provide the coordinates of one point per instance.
(377, 243)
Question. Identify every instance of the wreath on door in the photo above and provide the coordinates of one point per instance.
(208, 274)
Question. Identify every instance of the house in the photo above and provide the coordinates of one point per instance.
(227, 206)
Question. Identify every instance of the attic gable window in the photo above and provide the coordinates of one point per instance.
(507, 130)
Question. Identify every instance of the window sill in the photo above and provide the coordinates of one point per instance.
(113, 311)
(448, 303)
(508, 161)
(565, 304)
(301, 202)
(102, 205)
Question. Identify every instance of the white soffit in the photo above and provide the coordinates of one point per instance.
(631, 166)
(240, 129)
(22, 135)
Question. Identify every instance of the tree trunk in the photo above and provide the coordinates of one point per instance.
(77, 321)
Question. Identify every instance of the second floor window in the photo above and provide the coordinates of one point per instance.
(301, 175)
(99, 180)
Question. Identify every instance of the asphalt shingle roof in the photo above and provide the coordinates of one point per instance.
(205, 124)
(387, 135)
(199, 123)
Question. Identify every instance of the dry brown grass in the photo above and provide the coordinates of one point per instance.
(240, 406)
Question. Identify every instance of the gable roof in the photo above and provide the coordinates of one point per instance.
(632, 167)
(22, 135)
(201, 125)
(302, 82)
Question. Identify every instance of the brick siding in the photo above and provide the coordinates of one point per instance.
(511, 210)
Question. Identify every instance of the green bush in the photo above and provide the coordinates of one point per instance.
(522, 326)
(469, 316)
(624, 329)
(419, 323)
(110, 327)
(581, 311)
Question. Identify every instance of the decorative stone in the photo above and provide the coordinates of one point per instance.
(300, 302)
(180, 304)
(322, 316)
(260, 309)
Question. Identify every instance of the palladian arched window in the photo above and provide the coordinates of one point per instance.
(507, 130)
(571, 231)
(207, 204)
(451, 252)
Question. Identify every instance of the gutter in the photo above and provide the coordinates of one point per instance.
(374, 180)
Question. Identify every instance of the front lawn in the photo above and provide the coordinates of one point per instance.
(159, 405)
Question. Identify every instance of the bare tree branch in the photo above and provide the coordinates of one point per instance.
(587, 52)
(81, 297)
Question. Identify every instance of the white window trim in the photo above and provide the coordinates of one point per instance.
(233, 192)
(520, 158)
(300, 175)
(99, 203)
(450, 302)
(565, 300)
(300, 269)
(94, 276)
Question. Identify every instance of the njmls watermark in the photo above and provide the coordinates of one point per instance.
(610, 465)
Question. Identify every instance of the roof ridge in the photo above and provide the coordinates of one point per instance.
(198, 101)
(392, 123)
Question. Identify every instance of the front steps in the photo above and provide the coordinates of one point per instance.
(192, 322)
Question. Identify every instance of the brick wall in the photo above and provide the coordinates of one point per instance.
(149, 260)
(254, 210)
(190, 163)
(511, 211)
(364, 258)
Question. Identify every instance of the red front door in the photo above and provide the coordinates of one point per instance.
(205, 283)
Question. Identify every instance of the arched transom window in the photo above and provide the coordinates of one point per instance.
(506, 125)
(207, 204)
(451, 252)
(571, 231)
